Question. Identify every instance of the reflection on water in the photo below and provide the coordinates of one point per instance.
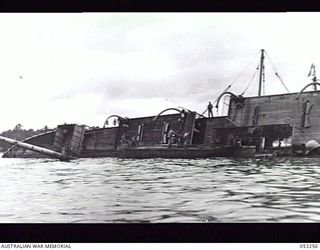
(158, 190)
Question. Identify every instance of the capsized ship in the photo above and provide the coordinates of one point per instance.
(282, 124)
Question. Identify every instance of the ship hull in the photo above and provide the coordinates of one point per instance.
(176, 153)
(268, 125)
(162, 152)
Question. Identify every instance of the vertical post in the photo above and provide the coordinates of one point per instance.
(292, 136)
(314, 78)
(261, 71)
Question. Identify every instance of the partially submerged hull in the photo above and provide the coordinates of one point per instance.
(176, 153)
(284, 124)
(268, 125)
(159, 151)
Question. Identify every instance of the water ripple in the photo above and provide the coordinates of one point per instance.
(159, 191)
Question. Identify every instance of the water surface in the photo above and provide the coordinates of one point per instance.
(110, 190)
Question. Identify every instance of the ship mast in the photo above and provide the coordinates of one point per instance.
(261, 71)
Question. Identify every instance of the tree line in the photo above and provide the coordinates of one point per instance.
(19, 133)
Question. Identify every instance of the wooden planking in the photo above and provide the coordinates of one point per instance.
(100, 139)
(219, 122)
(69, 136)
(41, 140)
(276, 109)
(281, 109)
(213, 124)
(152, 128)
(152, 131)
(189, 126)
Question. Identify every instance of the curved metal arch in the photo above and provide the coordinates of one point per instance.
(305, 87)
(106, 122)
(165, 110)
(225, 93)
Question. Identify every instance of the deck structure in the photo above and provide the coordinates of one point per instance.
(283, 124)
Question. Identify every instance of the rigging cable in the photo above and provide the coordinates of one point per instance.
(254, 75)
(276, 73)
(230, 85)
(243, 71)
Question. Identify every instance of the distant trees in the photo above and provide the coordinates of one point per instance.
(20, 134)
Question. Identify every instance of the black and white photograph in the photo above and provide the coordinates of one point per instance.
(159, 118)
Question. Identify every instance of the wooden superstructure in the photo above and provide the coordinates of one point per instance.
(271, 124)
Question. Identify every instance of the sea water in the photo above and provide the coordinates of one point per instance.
(111, 190)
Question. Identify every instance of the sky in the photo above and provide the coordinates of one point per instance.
(82, 67)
